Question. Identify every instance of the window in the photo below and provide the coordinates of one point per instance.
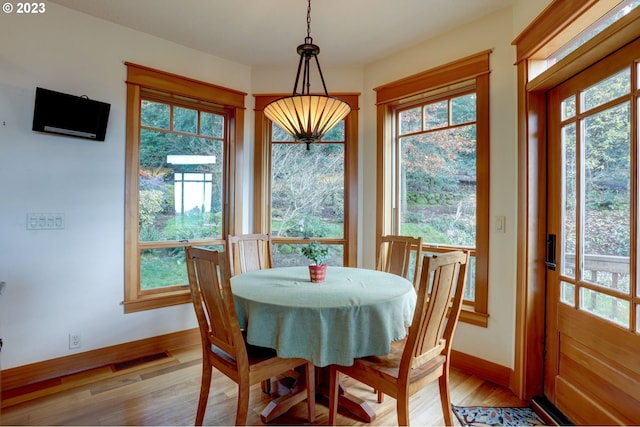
(179, 146)
(307, 194)
(614, 15)
(570, 34)
(435, 143)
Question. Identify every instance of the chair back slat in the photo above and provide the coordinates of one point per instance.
(249, 252)
(394, 255)
(213, 301)
(431, 331)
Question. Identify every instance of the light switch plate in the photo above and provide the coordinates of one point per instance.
(45, 221)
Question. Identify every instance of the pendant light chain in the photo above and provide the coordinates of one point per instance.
(305, 116)
(309, 22)
(306, 80)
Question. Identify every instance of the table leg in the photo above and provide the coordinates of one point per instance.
(354, 405)
(287, 391)
(291, 390)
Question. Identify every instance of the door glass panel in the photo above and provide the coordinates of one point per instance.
(569, 196)
(609, 89)
(607, 206)
(567, 293)
(605, 306)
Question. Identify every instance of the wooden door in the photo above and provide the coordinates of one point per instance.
(592, 362)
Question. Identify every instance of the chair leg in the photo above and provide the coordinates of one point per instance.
(333, 394)
(266, 386)
(205, 385)
(380, 396)
(243, 402)
(402, 407)
(311, 391)
(445, 397)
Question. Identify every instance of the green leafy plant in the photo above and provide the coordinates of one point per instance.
(315, 252)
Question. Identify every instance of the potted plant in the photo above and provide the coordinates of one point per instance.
(316, 254)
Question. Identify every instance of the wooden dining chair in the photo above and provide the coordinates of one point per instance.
(394, 256)
(423, 356)
(249, 252)
(223, 344)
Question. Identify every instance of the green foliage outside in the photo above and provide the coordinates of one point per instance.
(179, 198)
(162, 267)
(606, 191)
(437, 181)
(438, 171)
(307, 194)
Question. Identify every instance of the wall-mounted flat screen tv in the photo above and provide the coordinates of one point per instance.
(64, 114)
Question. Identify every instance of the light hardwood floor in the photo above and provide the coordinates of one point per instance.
(165, 392)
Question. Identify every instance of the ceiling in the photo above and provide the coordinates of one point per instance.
(267, 32)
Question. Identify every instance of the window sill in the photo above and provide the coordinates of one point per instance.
(148, 302)
(477, 319)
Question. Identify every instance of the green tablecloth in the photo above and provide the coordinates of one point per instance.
(353, 313)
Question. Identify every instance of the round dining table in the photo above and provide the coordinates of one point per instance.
(354, 313)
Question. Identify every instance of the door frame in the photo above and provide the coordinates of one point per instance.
(531, 45)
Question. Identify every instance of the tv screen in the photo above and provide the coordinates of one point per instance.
(64, 114)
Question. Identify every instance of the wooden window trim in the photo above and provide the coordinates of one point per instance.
(416, 87)
(557, 18)
(262, 172)
(139, 80)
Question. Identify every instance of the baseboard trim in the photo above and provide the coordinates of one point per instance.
(25, 375)
(481, 368)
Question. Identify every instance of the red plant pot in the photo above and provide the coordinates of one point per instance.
(317, 273)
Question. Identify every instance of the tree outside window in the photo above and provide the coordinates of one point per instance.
(436, 147)
(434, 141)
(303, 195)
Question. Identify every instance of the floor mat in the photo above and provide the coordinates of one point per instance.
(496, 416)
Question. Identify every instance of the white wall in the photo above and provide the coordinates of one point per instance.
(71, 280)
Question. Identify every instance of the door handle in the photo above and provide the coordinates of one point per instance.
(551, 252)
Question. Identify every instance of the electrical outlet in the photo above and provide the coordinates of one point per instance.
(74, 341)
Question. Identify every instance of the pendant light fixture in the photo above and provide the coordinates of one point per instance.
(307, 117)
